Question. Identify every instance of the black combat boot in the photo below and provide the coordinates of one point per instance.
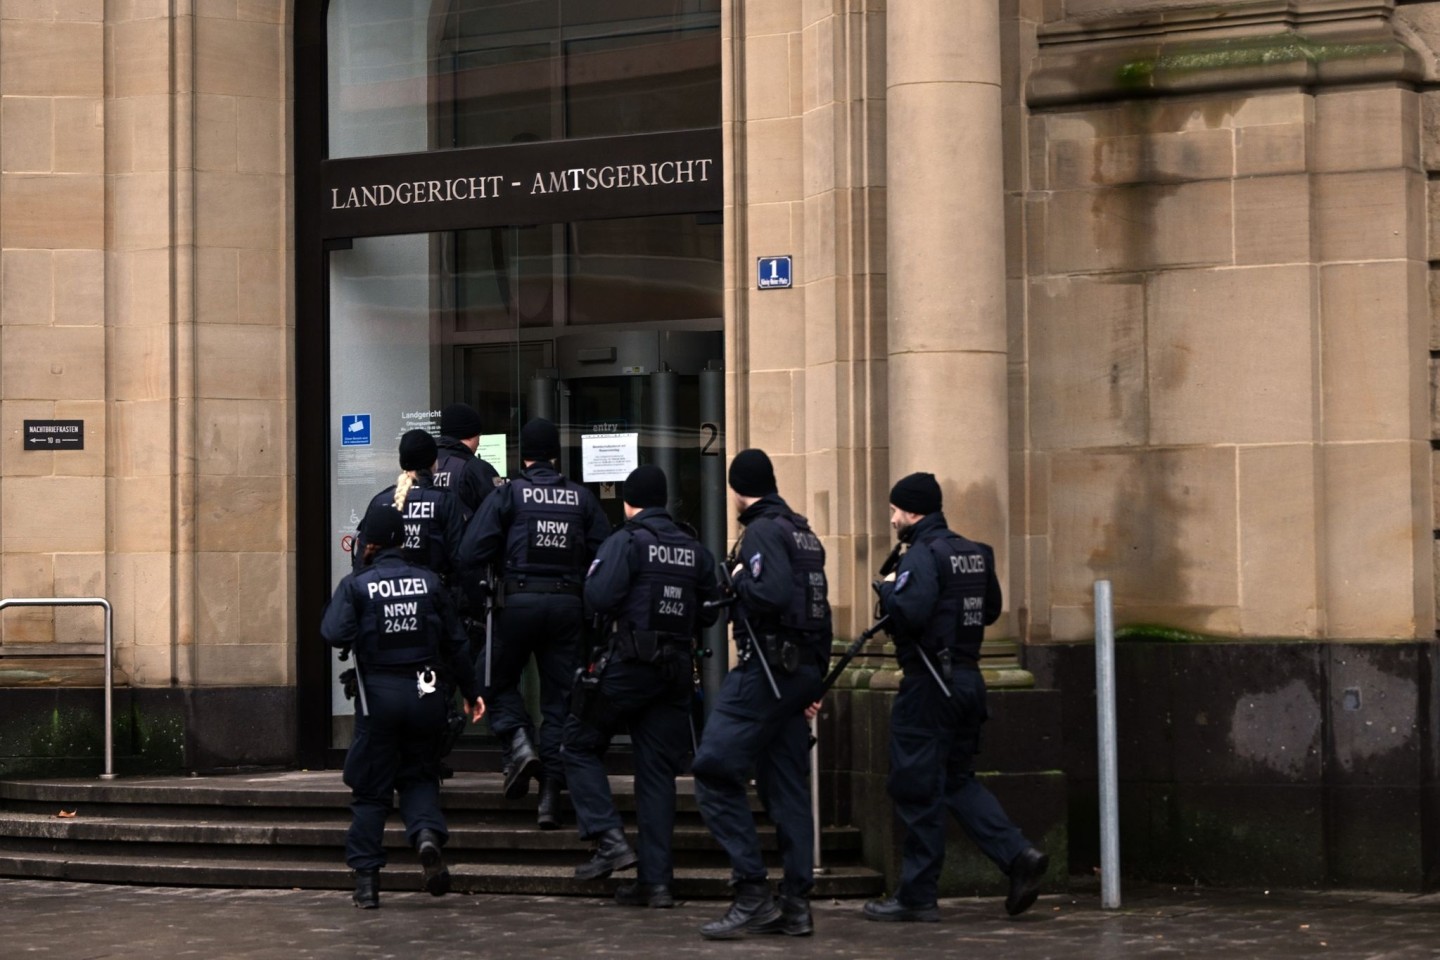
(639, 894)
(524, 765)
(612, 853)
(794, 919)
(893, 909)
(367, 889)
(753, 907)
(437, 875)
(547, 815)
(1027, 871)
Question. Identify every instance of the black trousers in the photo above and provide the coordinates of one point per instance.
(933, 742)
(394, 748)
(653, 701)
(751, 730)
(546, 626)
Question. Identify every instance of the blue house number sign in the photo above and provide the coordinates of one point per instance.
(774, 273)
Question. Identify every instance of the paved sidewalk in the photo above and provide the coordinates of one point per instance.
(44, 919)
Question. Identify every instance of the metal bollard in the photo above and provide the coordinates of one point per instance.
(1105, 715)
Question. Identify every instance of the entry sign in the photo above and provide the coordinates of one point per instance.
(355, 430)
(54, 435)
(774, 273)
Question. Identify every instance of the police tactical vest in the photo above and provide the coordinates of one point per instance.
(400, 622)
(662, 597)
(423, 514)
(449, 471)
(958, 622)
(547, 528)
(809, 608)
(808, 611)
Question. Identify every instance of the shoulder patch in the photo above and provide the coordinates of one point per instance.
(901, 580)
(755, 566)
(593, 564)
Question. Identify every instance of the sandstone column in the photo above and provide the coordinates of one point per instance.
(946, 237)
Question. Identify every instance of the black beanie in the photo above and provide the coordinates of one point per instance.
(417, 450)
(383, 526)
(751, 474)
(918, 493)
(539, 440)
(459, 420)
(646, 487)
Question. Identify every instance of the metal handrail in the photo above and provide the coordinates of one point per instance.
(109, 773)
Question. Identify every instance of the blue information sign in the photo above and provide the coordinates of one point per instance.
(774, 273)
(355, 430)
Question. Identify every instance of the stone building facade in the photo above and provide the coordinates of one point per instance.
(1146, 283)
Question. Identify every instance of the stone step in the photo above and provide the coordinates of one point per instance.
(294, 790)
(402, 876)
(466, 840)
(286, 829)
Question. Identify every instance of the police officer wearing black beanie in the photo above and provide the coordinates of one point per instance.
(432, 518)
(540, 532)
(940, 599)
(648, 582)
(458, 469)
(397, 619)
(782, 602)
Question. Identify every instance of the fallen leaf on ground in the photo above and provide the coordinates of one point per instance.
(66, 814)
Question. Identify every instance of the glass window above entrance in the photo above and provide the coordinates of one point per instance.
(434, 74)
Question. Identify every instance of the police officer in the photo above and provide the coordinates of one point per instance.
(458, 469)
(432, 518)
(541, 530)
(470, 479)
(781, 613)
(398, 621)
(649, 581)
(940, 599)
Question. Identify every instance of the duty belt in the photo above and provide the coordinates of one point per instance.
(789, 652)
(952, 659)
(963, 659)
(544, 585)
(397, 669)
(649, 646)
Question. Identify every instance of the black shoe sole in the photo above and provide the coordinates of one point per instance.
(930, 914)
(751, 928)
(1023, 904)
(664, 902)
(781, 927)
(517, 784)
(787, 931)
(1029, 890)
(437, 877)
(904, 917)
(732, 935)
(600, 872)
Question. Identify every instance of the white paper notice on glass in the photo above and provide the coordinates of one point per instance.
(608, 457)
(492, 451)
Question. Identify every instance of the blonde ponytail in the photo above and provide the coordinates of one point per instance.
(403, 483)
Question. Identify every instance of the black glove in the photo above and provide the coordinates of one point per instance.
(351, 685)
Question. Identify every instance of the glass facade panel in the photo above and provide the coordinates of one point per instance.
(413, 75)
(646, 269)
